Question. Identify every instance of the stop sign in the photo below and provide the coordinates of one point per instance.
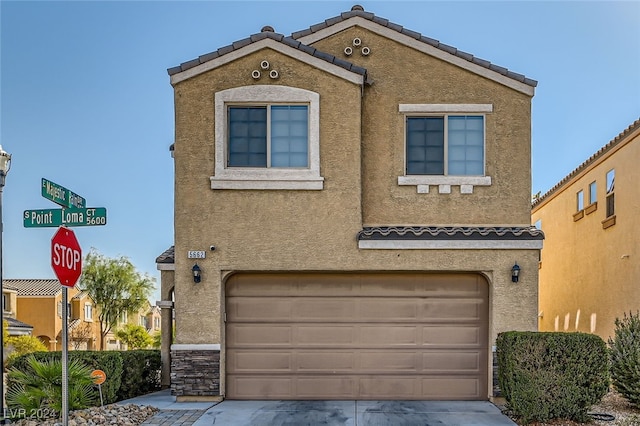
(66, 256)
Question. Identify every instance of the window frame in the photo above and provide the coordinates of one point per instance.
(610, 210)
(444, 182)
(593, 192)
(88, 309)
(580, 200)
(226, 177)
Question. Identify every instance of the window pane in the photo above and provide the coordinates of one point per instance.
(465, 139)
(247, 137)
(580, 200)
(611, 177)
(425, 146)
(289, 136)
(593, 197)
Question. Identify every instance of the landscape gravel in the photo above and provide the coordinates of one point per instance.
(113, 414)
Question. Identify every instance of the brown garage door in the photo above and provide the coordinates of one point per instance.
(356, 336)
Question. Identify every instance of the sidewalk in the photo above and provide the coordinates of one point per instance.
(171, 412)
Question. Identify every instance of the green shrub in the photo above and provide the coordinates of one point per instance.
(546, 376)
(141, 373)
(38, 388)
(625, 357)
(108, 361)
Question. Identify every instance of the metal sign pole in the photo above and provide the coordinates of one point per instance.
(65, 350)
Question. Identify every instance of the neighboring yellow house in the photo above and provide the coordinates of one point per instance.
(148, 316)
(351, 203)
(9, 307)
(590, 265)
(39, 302)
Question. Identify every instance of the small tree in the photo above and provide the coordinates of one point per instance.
(134, 336)
(157, 339)
(115, 286)
(80, 335)
(20, 345)
(625, 357)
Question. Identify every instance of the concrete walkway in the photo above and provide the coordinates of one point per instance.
(331, 413)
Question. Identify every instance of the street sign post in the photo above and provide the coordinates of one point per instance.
(66, 256)
(61, 195)
(66, 261)
(49, 218)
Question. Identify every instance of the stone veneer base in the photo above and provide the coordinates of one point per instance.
(195, 373)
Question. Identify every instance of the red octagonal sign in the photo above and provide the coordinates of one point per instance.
(66, 256)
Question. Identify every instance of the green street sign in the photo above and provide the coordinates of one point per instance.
(61, 195)
(52, 218)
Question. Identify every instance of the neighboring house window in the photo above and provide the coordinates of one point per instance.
(445, 146)
(60, 310)
(143, 321)
(88, 312)
(123, 318)
(156, 323)
(593, 196)
(449, 145)
(611, 178)
(580, 200)
(267, 137)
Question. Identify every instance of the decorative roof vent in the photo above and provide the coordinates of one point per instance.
(267, 29)
(357, 7)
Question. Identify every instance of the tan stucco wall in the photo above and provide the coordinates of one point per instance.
(402, 75)
(41, 313)
(316, 230)
(586, 268)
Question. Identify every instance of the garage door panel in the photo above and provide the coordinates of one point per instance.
(452, 335)
(388, 335)
(259, 335)
(356, 336)
(452, 361)
(451, 387)
(249, 361)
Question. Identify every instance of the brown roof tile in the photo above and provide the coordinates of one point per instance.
(168, 256)
(35, 287)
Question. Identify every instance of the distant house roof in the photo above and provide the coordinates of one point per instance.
(35, 287)
(14, 323)
(355, 12)
(167, 256)
(622, 137)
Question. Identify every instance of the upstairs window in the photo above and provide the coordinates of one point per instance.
(580, 200)
(268, 136)
(451, 145)
(593, 196)
(88, 312)
(611, 180)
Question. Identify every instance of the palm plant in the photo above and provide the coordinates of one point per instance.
(40, 386)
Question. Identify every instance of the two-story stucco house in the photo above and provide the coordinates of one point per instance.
(350, 202)
(589, 270)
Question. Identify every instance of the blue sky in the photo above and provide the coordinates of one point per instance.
(85, 99)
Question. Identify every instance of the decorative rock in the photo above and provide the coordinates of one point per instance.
(114, 414)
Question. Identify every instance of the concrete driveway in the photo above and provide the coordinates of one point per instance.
(353, 413)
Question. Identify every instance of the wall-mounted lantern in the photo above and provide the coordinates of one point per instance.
(197, 273)
(515, 273)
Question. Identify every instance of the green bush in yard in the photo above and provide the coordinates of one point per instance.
(625, 357)
(545, 376)
(108, 361)
(141, 373)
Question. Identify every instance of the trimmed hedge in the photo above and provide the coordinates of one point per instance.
(546, 376)
(141, 373)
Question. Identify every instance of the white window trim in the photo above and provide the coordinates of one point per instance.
(266, 178)
(88, 318)
(444, 183)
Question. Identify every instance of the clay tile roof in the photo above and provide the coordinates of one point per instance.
(168, 256)
(602, 151)
(35, 287)
(289, 41)
(449, 233)
(358, 11)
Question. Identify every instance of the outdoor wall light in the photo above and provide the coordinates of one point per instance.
(197, 273)
(515, 273)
